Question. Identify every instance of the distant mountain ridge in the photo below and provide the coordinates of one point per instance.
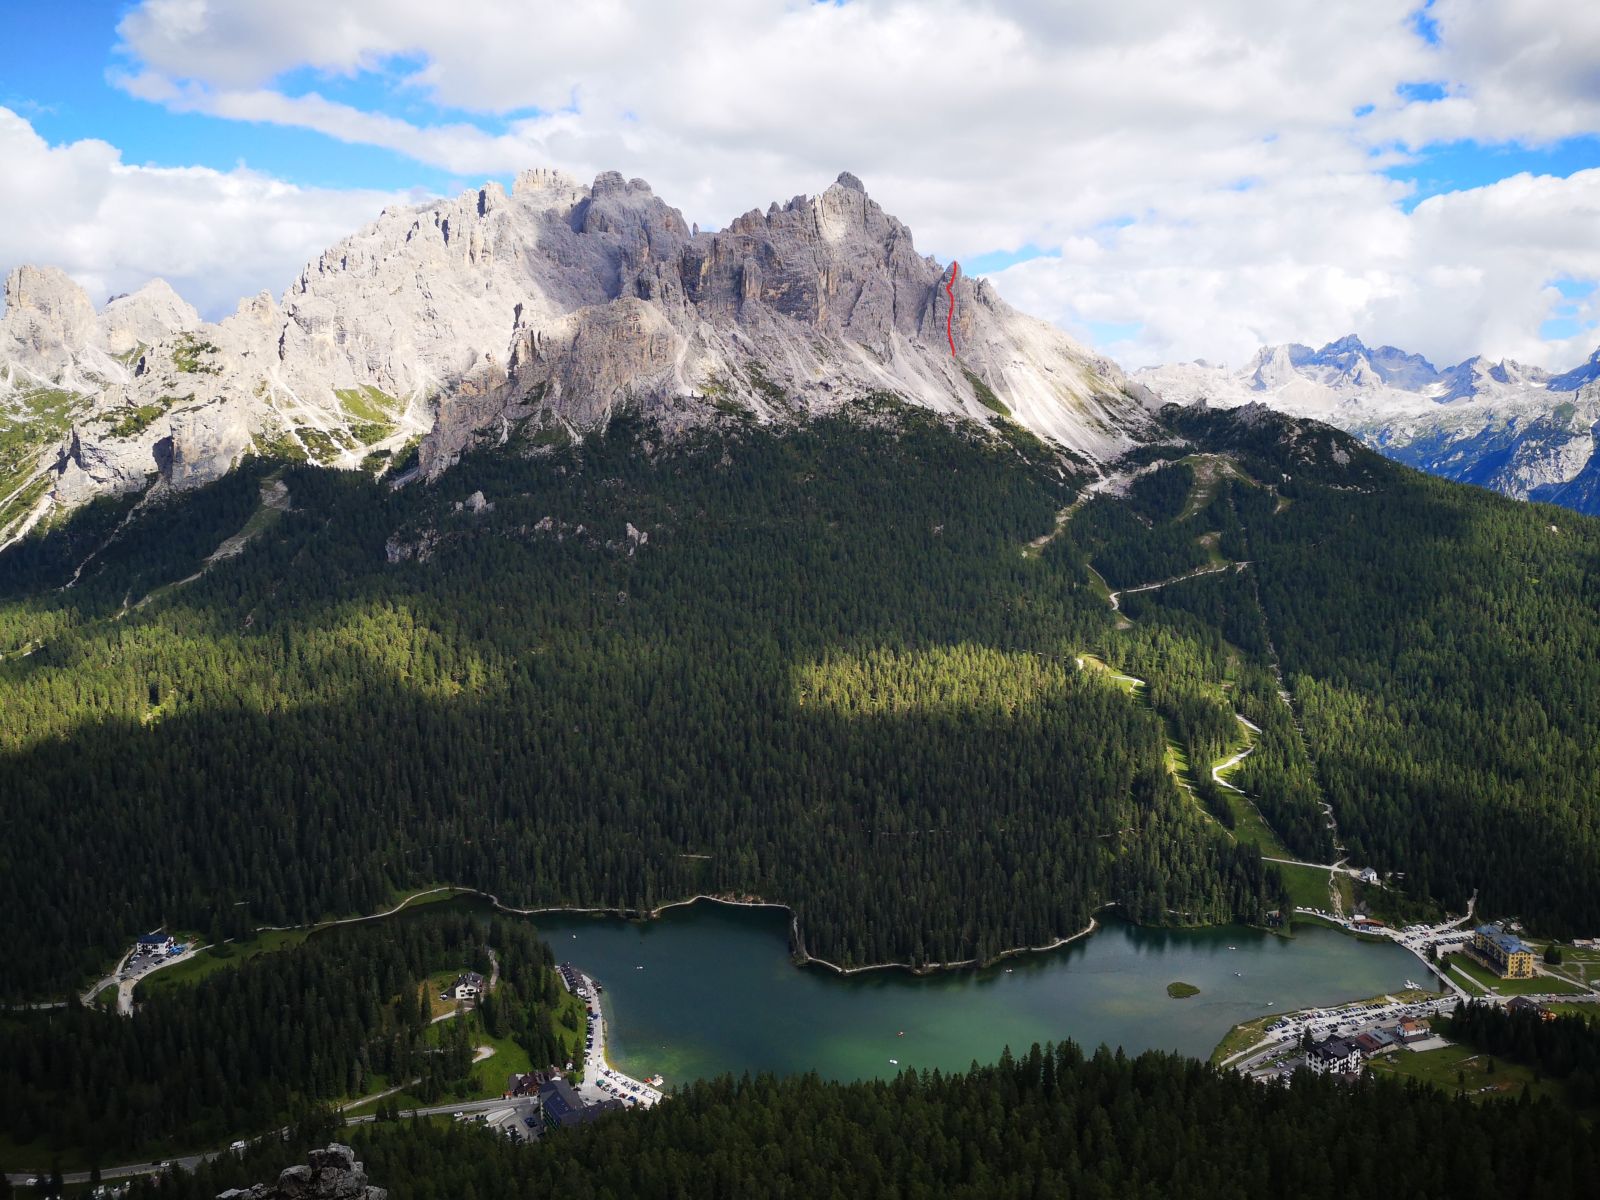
(1515, 428)
(539, 311)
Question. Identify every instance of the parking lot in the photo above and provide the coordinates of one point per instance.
(600, 1080)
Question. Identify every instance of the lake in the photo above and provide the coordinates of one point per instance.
(710, 988)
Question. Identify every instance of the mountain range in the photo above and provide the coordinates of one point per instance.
(1518, 429)
(539, 312)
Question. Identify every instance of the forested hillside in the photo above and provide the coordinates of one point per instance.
(834, 665)
(820, 671)
(344, 1015)
(1047, 1123)
(1442, 648)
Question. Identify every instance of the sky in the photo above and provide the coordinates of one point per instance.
(1163, 179)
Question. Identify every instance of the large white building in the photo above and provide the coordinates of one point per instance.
(1338, 1055)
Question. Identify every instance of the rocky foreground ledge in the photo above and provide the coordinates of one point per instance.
(331, 1174)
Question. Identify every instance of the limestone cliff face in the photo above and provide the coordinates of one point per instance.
(455, 321)
(792, 311)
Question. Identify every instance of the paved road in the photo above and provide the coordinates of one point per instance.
(189, 1161)
(1324, 1021)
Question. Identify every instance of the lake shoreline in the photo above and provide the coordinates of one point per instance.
(798, 953)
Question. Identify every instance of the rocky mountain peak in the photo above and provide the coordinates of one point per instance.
(146, 316)
(466, 318)
(1571, 381)
(48, 318)
(1505, 425)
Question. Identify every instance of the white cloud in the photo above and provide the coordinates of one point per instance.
(214, 235)
(1216, 277)
(1225, 132)
(981, 125)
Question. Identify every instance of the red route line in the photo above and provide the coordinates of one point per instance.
(950, 290)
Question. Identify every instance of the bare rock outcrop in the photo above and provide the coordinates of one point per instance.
(331, 1174)
(48, 319)
(144, 317)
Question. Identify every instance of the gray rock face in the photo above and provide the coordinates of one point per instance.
(791, 311)
(457, 321)
(331, 1174)
(48, 318)
(144, 317)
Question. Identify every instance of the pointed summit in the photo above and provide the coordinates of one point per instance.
(1571, 381)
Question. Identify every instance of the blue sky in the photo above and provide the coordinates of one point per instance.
(1418, 175)
(61, 81)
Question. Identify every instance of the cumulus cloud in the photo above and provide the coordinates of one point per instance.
(1466, 272)
(214, 235)
(982, 125)
(1199, 171)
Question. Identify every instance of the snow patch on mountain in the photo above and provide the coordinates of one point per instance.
(1504, 425)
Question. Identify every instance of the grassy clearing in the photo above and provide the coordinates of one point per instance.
(1589, 1012)
(1579, 964)
(1209, 471)
(1461, 1070)
(209, 962)
(437, 982)
(1251, 828)
(30, 422)
(1127, 683)
(1308, 886)
(369, 404)
(489, 1076)
(19, 506)
(433, 893)
(1211, 544)
(1489, 981)
(1241, 1037)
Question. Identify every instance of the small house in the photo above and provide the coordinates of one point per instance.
(1412, 1031)
(468, 986)
(526, 1083)
(1523, 1004)
(155, 943)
